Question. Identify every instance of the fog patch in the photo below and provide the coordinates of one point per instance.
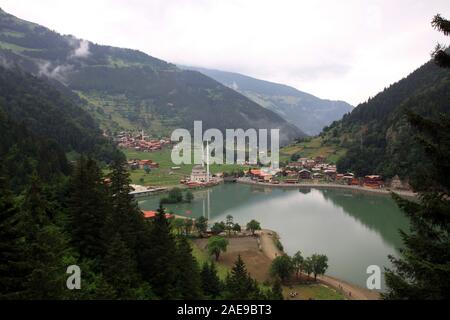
(59, 72)
(80, 48)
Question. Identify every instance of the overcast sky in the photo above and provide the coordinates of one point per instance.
(347, 49)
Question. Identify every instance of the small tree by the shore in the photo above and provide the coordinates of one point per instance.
(237, 228)
(189, 196)
(229, 224)
(298, 262)
(308, 266)
(218, 228)
(201, 224)
(217, 245)
(253, 226)
(319, 264)
(282, 267)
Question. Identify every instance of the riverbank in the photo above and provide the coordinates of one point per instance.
(402, 193)
(350, 291)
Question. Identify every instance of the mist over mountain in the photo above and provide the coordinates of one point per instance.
(307, 112)
(129, 90)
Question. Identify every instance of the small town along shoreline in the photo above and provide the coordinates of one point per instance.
(402, 193)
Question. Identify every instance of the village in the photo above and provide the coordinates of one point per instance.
(304, 171)
(139, 142)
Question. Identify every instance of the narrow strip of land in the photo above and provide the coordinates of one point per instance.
(403, 193)
(350, 291)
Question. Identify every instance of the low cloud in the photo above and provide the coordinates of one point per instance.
(80, 48)
(59, 72)
(5, 63)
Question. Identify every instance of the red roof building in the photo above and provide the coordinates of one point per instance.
(152, 215)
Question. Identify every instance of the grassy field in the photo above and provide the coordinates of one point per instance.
(315, 147)
(312, 291)
(306, 292)
(165, 176)
(14, 48)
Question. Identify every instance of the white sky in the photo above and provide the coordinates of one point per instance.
(347, 49)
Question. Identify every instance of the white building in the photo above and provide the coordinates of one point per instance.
(199, 174)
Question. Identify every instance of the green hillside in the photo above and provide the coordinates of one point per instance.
(307, 112)
(377, 134)
(127, 89)
(51, 114)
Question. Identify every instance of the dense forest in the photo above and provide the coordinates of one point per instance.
(93, 222)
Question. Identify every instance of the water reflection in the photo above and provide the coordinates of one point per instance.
(355, 230)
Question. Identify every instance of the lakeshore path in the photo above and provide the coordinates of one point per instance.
(350, 291)
(402, 193)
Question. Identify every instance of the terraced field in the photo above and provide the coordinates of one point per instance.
(314, 147)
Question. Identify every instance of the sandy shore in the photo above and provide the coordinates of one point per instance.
(350, 291)
(403, 193)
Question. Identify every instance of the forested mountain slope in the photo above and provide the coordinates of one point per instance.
(127, 89)
(307, 112)
(376, 134)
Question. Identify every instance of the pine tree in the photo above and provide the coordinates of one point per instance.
(47, 280)
(441, 57)
(45, 246)
(157, 257)
(276, 293)
(239, 285)
(119, 268)
(125, 217)
(423, 271)
(188, 276)
(211, 284)
(87, 208)
(13, 267)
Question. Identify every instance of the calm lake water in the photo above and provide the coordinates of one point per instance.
(355, 230)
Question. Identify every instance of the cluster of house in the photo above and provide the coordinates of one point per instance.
(308, 169)
(142, 164)
(305, 170)
(140, 142)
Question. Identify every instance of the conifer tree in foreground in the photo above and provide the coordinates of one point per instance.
(423, 271)
(211, 284)
(239, 284)
(45, 246)
(12, 247)
(125, 217)
(157, 257)
(88, 208)
(119, 268)
(188, 275)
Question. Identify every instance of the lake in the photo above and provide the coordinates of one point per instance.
(354, 229)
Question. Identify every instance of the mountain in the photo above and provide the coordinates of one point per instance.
(40, 125)
(376, 137)
(307, 112)
(127, 89)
